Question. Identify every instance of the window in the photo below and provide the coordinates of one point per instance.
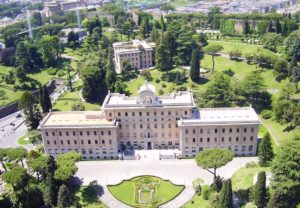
(109, 141)
(68, 141)
(89, 141)
(140, 113)
(216, 130)
(250, 148)
(229, 139)
(169, 113)
(61, 142)
(75, 142)
(74, 133)
(162, 126)
(223, 130)
(185, 112)
(237, 130)
(119, 114)
(141, 126)
(109, 132)
(230, 130)
(243, 148)
(244, 139)
(109, 114)
(148, 126)
(251, 138)
(194, 140)
(155, 126)
(208, 139)
(102, 132)
(216, 139)
(208, 131)
(201, 131)
(148, 114)
(236, 148)
(48, 142)
(223, 139)
(170, 143)
(126, 114)
(162, 113)
(80, 133)
(54, 142)
(46, 133)
(169, 125)
(252, 130)
(201, 140)
(103, 141)
(245, 130)
(186, 131)
(237, 139)
(59, 133)
(154, 113)
(82, 142)
(194, 131)
(88, 133)
(133, 113)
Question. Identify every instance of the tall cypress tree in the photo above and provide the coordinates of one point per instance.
(270, 26)
(195, 65)
(171, 44)
(260, 190)
(163, 57)
(162, 23)
(50, 192)
(265, 151)
(47, 99)
(285, 28)
(246, 27)
(278, 28)
(225, 200)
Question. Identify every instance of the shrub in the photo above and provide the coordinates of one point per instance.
(181, 88)
(157, 81)
(249, 57)
(266, 114)
(243, 194)
(234, 55)
(52, 71)
(61, 73)
(251, 165)
(205, 192)
(160, 92)
(78, 106)
(163, 85)
(229, 72)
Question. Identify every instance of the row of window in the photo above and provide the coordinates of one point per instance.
(81, 142)
(88, 133)
(216, 139)
(148, 126)
(162, 113)
(135, 143)
(230, 130)
(235, 149)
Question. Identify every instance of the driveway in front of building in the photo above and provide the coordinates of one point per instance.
(178, 171)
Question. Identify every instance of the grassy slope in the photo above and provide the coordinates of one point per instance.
(198, 202)
(243, 178)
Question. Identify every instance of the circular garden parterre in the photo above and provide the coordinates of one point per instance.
(145, 191)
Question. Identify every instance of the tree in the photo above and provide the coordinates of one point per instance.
(285, 180)
(163, 57)
(281, 69)
(78, 106)
(283, 111)
(144, 28)
(154, 36)
(271, 41)
(246, 27)
(225, 200)
(49, 47)
(3, 155)
(213, 158)
(94, 88)
(110, 79)
(296, 77)
(278, 28)
(195, 66)
(50, 193)
(171, 44)
(265, 151)
(92, 23)
(270, 27)
(260, 190)
(28, 104)
(44, 99)
(219, 93)
(213, 50)
(162, 23)
(37, 19)
(63, 198)
(38, 166)
(17, 154)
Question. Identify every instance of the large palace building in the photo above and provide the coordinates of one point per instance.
(150, 122)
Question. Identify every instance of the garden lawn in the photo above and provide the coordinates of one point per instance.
(243, 178)
(195, 202)
(23, 140)
(125, 192)
(244, 48)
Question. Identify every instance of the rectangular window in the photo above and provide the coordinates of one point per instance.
(140, 113)
(75, 142)
(230, 130)
(103, 141)
(59, 133)
(223, 130)
(185, 112)
(169, 125)
(95, 133)
(243, 148)
(216, 130)
(208, 139)
(109, 132)
(252, 130)
(80, 133)
(155, 126)
(74, 133)
(148, 114)
(201, 131)
(109, 141)
(244, 139)
(162, 126)
(216, 139)
(141, 126)
(88, 133)
(237, 130)
(229, 139)
(82, 142)
(237, 139)
(251, 138)
(102, 132)
(194, 131)
(126, 114)
(68, 141)
(245, 130)
(54, 142)
(119, 114)
(48, 142)
(194, 140)
(201, 140)
(133, 113)
(46, 133)
(162, 113)
(186, 131)
(89, 141)
(61, 142)
(222, 139)
(169, 113)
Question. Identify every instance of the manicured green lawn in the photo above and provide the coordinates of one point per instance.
(127, 191)
(23, 140)
(196, 201)
(243, 178)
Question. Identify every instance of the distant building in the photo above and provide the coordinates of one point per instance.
(79, 31)
(148, 121)
(140, 54)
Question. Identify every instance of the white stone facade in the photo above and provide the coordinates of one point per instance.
(150, 122)
(140, 54)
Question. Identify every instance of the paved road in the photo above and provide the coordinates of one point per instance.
(10, 133)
